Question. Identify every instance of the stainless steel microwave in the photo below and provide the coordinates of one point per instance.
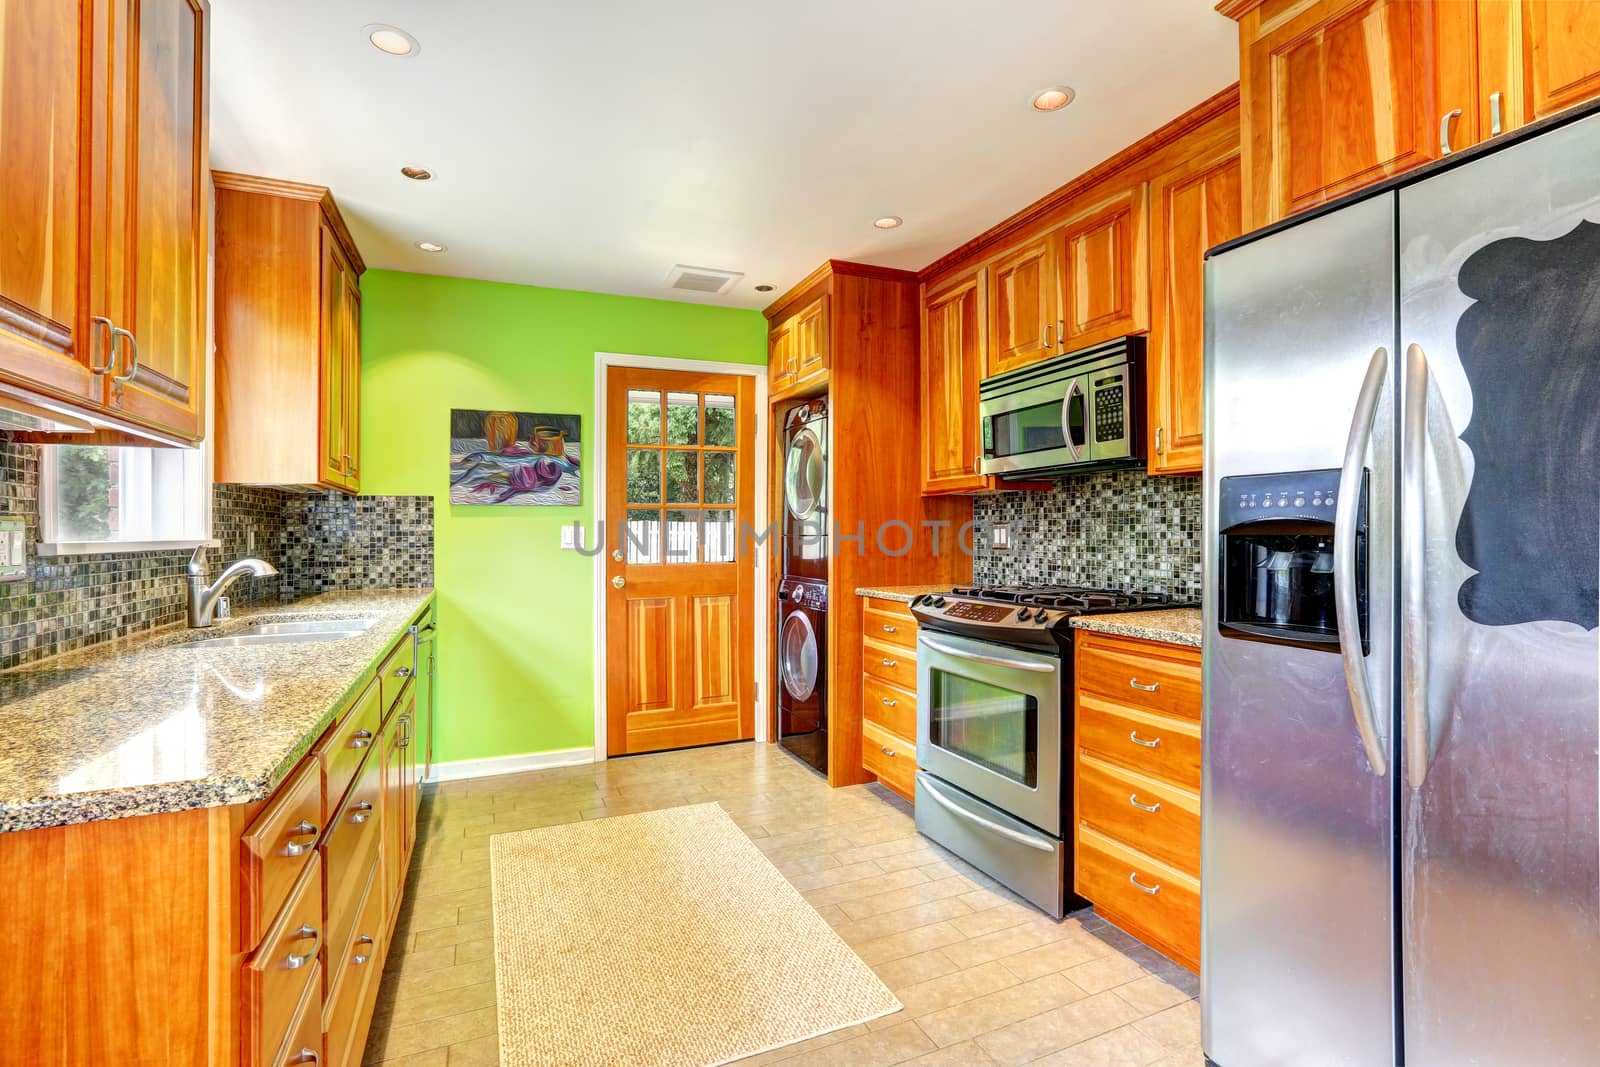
(1078, 412)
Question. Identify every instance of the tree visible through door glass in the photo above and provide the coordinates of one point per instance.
(719, 478)
(683, 477)
(719, 420)
(644, 476)
(644, 417)
(683, 418)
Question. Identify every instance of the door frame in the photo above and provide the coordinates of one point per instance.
(603, 362)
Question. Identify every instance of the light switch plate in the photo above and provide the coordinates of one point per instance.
(1000, 537)
(13, 552)
(569, 536)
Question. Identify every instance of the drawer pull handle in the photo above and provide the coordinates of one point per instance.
(1133, 798)
(402, 672)
(1136, 739)
(305, 1055)
(887, 662)
(887, 751)
(362, 957)
(1133, 879)
(361, 739)
(887, 702)
(303, 828)
(890, 629)
(363, 812)
(297, 960)
(1151, 688)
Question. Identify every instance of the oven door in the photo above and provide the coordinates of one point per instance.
(1041, 428)
(989, 722)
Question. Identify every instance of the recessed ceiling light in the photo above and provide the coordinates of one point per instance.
(430, 246)
(888, 222)
(763, 288)
(417, 174)
(1052, 99)
(392, 39)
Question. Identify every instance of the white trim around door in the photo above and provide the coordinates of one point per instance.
(597, 507)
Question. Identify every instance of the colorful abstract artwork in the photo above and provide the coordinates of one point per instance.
(514, 457)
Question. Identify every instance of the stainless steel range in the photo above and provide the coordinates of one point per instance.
(994, 728)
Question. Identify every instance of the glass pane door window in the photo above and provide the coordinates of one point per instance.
(682, 483)
(986, 724)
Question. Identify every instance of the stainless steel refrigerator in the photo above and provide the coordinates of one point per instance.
(1401, 847)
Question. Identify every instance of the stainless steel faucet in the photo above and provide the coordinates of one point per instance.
(203, 598)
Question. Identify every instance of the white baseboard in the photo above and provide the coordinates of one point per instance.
(456, 770)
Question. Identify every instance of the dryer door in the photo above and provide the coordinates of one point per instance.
(798, 660)
(804, 475)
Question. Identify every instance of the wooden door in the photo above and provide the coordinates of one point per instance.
(1194, 206)
(680, 626)
(809, 339)
(1022, 297)
(952, 364)
(1335, 98)
(333, 455)
(158, 233)
(46, 340)
(1105, 271)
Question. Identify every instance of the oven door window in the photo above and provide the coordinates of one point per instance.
(994, 727)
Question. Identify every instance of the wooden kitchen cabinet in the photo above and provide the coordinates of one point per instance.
(953, 334)
(780, 358)
(103, 271)
(1534, 58)
(288, 336)
(1104, 270)
(889, 694)
(1193, 206)
(1024, 294)
(798, 346)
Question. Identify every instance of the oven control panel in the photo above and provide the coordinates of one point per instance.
(976, 612)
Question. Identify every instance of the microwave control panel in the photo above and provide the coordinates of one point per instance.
(1304, 496)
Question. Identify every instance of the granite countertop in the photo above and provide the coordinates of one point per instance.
(153, 724)
(1175, 626)
(903, 593)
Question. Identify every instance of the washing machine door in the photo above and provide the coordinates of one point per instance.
(804, 474)
(797, 659)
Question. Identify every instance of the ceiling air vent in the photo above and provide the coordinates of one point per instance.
(702, 279)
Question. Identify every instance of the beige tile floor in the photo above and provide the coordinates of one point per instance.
(984, 978)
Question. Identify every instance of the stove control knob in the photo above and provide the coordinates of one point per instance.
(1042, 618)
(938, 601)
(1022, 613)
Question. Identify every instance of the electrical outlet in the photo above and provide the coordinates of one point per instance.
(569, 536)
(13, 551)
(1000, 537)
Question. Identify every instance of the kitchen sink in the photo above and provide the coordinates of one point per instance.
(302, 631)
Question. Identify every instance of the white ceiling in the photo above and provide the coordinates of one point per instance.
(592, 144)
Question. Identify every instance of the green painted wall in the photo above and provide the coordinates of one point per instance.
(516, 613)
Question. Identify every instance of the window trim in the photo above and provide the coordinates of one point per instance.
(46, 548)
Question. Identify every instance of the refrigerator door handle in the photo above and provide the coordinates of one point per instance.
(1346, 514)
(1414, 576)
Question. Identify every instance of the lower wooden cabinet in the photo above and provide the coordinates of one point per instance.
(889, 693)
(1136, 788)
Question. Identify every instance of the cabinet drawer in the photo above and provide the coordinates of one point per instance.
(1109, 799)
(1157, 745)
(341, 752)
(349, 850)
(355, 977)
(395, 673)
(1141, 674)
(893, 629)
(897, 608)
(304, 1042)
(891, 663)
(1152, 900)
(891, 757)
(277, 846)
(277, 974)
(890, 707)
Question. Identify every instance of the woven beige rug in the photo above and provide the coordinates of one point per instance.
(664, 938)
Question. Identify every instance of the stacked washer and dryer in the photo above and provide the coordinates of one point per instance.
(803, 592)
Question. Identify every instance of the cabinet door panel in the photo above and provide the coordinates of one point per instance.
(333, 364)
(952, 363)
(810, 340)
(43, 163)
(1022, 306)
(161, 107)
(1106, 271)
(351, 309)
(1564, 51)
(1193, 208)
(780, 370)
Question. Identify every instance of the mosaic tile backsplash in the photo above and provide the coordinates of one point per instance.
(1121, 529)
(318, 542)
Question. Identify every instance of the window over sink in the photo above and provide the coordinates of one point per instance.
(104, 498)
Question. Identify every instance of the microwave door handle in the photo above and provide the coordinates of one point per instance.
(1346, 514)
(1414, 578)
(993, 661)
(988, 824)
(1074, 389)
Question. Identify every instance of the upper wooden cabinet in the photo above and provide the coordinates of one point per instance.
(1193, 206)
(1024, 295)
(1534, 58)
(1105, 273)
(952, 363)
(288, 308)
(798, 346)
(104, 210)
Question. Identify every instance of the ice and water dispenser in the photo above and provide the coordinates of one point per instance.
(1277, 558)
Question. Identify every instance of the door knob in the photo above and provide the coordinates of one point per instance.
(618, 582)
(616, 554)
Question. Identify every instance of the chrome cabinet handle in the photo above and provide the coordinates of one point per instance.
(1444, 131)
(887, 751)
(133, 365)
(890, 629)
(303, 828)
(305, 1055)
(1159, 448)
(361, 739)
(402, 672)
(1133, 880)
(1414, 570)
(1136, 739)
(1133, 798)
(1061, 332)
(1346, 511)
(1151, 688)
(1049, 335)
(887, 702)
(111, 356)
(294, 961)
(1494, 114)
(362, 957)
(363, 812)
(887, 662)
(349, 464)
